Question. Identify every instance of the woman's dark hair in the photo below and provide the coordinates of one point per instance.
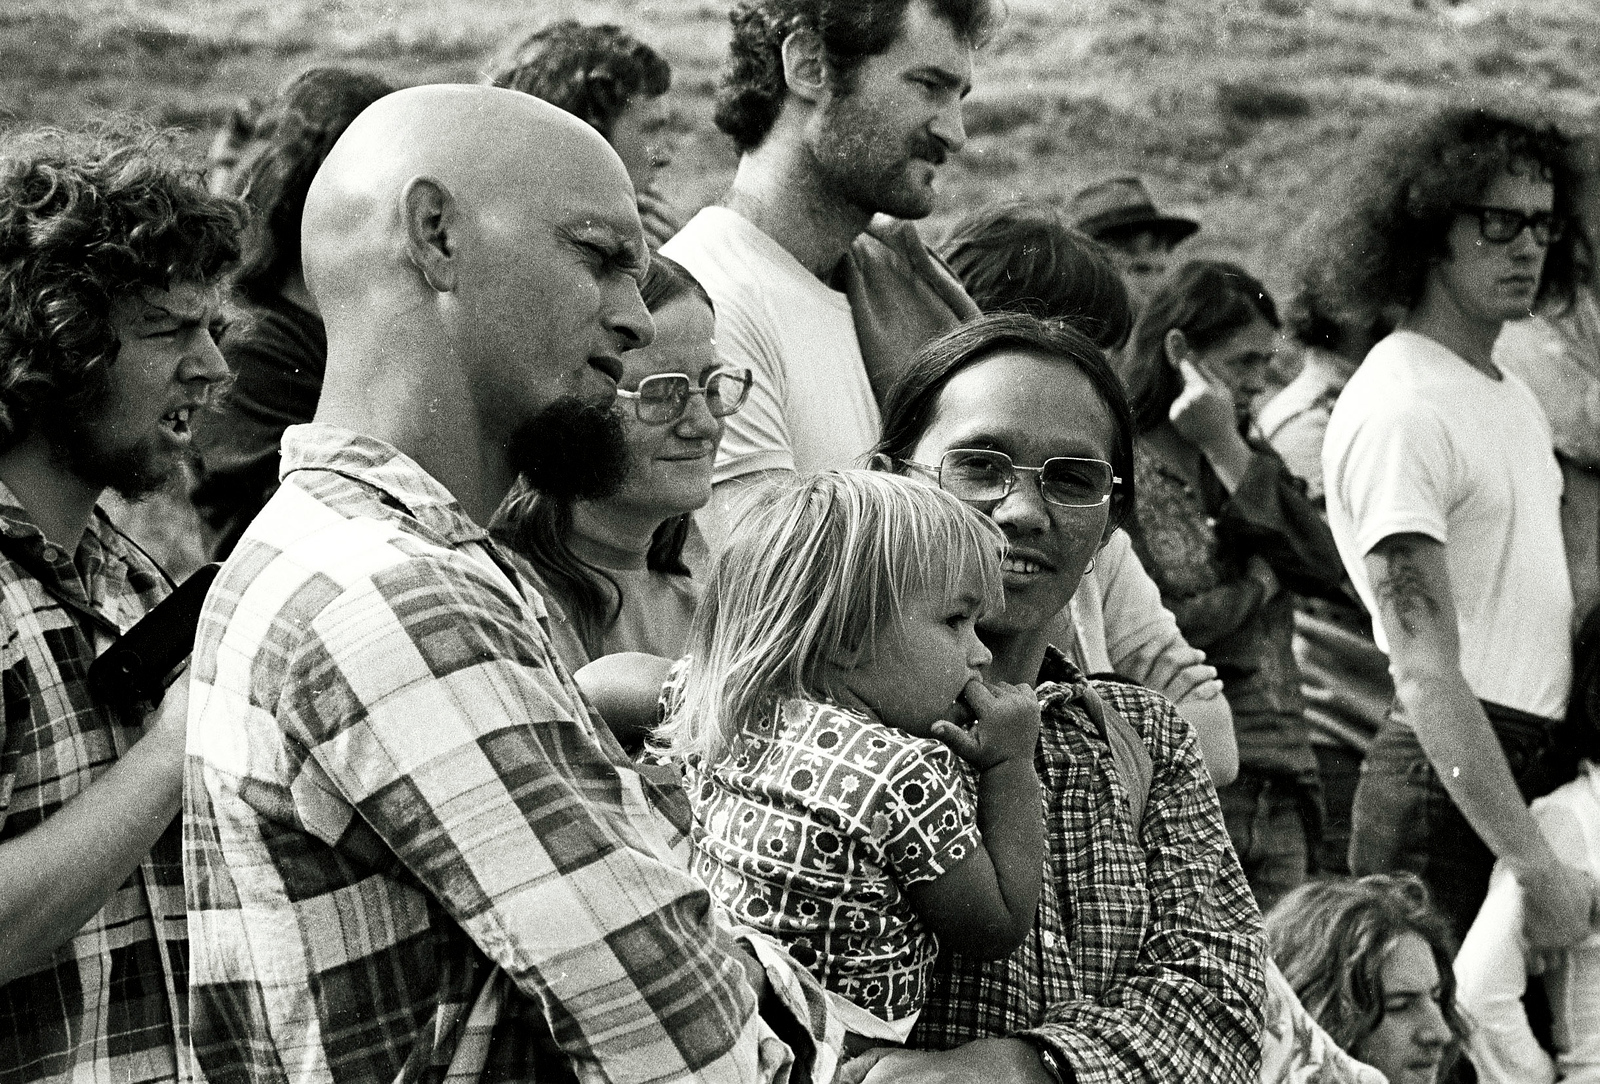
(1370, 247)
(1310, 321)
(753, 85)
(1330, 939)
(592, 72)
(296, 132)
(86, 219)
(1025, 256)
(1207, 300)
(538, 526)
(913, 401)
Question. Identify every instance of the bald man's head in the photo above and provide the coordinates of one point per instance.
(484, 240)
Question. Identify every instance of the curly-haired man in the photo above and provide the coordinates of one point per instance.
(840, 111)
(109, 248)
(1444, 497)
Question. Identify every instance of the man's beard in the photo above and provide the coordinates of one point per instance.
(571, 450)
(866, 173)
(132, 471)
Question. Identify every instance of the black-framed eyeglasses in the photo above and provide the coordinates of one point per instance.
(1501, 225)
(980, 475)
(662, 398)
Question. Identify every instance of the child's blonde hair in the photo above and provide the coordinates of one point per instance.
(813, 570)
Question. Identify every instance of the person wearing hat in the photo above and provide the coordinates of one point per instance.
(1119, 213)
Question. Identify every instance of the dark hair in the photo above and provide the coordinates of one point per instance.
(1025, 256)
(538, 526)
(1207, 300)
(753, 86)
(911, 404)
(1373, 243)
(1330, 938)
(297, 130)
(87, 218)
(592, 72)
(1310, 321)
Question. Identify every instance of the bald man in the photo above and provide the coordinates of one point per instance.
(411, 852)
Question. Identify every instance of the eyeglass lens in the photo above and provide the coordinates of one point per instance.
(988, 476)
(665, 396)
(1500, 225)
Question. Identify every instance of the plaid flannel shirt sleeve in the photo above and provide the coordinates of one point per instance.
(1192, 1008)
(431, 714)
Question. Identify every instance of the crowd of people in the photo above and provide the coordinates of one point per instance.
(769, 645)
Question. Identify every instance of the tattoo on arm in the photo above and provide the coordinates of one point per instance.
(1401, 584)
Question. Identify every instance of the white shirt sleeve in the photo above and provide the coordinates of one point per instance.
(1396, 476)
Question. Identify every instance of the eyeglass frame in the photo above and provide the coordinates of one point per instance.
(1554, 226)
(745, 375)
(1011, 484)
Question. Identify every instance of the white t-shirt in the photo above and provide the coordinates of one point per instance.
(811, 407)
(1421, 442)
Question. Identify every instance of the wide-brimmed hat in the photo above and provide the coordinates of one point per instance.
(1122, 205)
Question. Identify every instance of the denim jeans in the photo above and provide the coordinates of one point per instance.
(1272, 822)
(1403, 819)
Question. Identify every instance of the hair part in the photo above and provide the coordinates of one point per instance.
(814, 572)
(295, 133)
(1331, 938)
(753, 87)
(86, 219)
(913, 402)
(1025, 256)
(593, 72)
(1207, 300)
(539, 526)
(1372, 245)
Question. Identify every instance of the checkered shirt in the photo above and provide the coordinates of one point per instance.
(107, 1005)
(410, 854)
(1145, 959)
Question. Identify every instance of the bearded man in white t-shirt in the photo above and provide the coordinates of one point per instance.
(1444, 497)
(841, 111)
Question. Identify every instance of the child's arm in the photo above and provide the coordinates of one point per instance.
(984, 907)
(625, 689)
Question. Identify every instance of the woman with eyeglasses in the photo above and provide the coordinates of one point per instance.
(1227, 532)
(612, 571)
(1144, 955)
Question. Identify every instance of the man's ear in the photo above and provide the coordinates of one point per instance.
(431, 215)
(804, 69)
(1176, 346)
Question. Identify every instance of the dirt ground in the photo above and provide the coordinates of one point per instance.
(1234, 110)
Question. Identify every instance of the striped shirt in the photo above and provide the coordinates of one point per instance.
(411, 854)
(107, 1005)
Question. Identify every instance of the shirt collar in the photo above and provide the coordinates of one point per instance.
(77, 577)
(376, 463)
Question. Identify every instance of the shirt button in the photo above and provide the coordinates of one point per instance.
(1049, 938)
(51, 553)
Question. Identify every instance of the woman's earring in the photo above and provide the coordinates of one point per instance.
(1091, 563)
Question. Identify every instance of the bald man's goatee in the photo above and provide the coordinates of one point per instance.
(571, 450)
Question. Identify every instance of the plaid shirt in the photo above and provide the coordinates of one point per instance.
(410, 853)
(1145, 959)
(108, 1004)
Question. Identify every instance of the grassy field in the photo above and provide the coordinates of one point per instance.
(1236, 110)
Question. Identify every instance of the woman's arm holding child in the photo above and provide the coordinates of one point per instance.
(985, 906)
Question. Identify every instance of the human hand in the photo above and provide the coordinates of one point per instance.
(993, 1061)
(1005, 725)
(1173, 669)
(168, 722)
(661, 219)
(1259, 570)
(1561, 906)
(1203, 413)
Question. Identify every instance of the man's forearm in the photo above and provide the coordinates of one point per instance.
(54, 877)
(1417, 610)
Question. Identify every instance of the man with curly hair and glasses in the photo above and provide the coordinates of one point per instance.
(110, 249)
(1444, 497)
(841, 111)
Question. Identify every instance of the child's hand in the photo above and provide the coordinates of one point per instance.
(1005, 727)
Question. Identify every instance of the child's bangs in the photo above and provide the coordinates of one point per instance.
(935, 545)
